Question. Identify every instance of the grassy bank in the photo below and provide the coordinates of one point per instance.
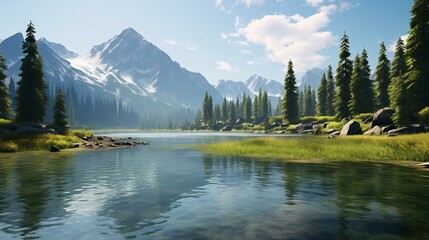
(409, 147)
(40, 142)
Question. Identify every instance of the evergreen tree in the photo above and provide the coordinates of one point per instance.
(301, 103)
(308, 101)
(248, 109)
(330, 92)
(260, 113)
(255, 107)
(224, 110)
(264, 104)
(382, 79)
(367, 85)
(31, 96)
(417, 56)
(321, 96)
(12, 91)
(270, 108)
(397, 89)
(231, 115)
(237, 108)
(313, 102)
(290, 100)
(217, 114)
(356, 98)
(342, 80)
(279, 107)
(60, 117)
(5, 103)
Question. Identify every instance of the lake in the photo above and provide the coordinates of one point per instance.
(169, 191)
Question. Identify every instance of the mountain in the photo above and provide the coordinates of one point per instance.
(127, 67)
(273, 88)
(312, 78)
(59, 49)
(232, 89)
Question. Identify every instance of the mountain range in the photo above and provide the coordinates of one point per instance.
(133, 69)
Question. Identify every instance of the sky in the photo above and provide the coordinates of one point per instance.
(222, 39)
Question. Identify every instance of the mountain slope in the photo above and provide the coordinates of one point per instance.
(311, 78)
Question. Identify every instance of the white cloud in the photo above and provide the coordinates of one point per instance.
(245, 51)
(392, 47)
(328, 9)
(242, 43)
(192, 48)
(250, 3)
(225, 66)
(291, 37)
(314, 3)
(345, 6)
(171, 42)
(219, 4)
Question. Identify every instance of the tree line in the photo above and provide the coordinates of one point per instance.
(32, 100)
(402, 85)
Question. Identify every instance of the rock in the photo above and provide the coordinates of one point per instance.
(383, 117)
(112, 145)
(260, 120)
(239, 121)
(347, 119)
(54, 149)
(329, 131)
(227, 128)
(100, 138)
(5, 130)
(325, 124)
(284, 125)
(367, 119)
(351, 128)
(38, 125)
(426, 165)
(374, 131)
(308, 131)
(304, 126)
(387, 128)
(279, 132)
(112, 140)
(27, 129)
(411, 129)
(76, 145)
(86, 138)
(334, 134)
(216, 127)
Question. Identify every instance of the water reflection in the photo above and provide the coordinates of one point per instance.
(169, 193)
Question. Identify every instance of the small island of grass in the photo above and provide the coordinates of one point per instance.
(366, 148)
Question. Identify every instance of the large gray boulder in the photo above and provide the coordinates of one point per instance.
(28, 129)
(382, 117)
(374, 131)
(351, 128)
(411, 129)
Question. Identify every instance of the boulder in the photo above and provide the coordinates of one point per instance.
(374, 131)
(351, 128)
(239, 121)
(387, 128)
(27, 129)
(410, 129)
(227, 128)
(334, 134)
(367, 119)
(329, 131)
(216, 127)
(325, 124)
(260, 120)
(383, 117)
(54, 149)
(304, 126)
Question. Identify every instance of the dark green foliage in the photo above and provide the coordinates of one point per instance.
(278, 110)
(260, 114)
(5, 102)
(265, 105)
(417, 56)
(217, 115)
(60, 117)
(224, 110)
(231, 113)
(309, 102)
(12, 90)
(31, 96)
(382, 79)
(361, 91)
(330, 92)
(401, 117)
(342, 81)
(290, 100)
(423, 115)
(248, 109)
(321, 97)
(301, 103)
(255, 107)
(208, 109)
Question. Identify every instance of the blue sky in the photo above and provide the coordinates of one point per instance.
(222, 39)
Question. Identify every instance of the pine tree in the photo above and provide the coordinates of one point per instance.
(12, 91)
(31, 96)
(248, 109)
(397, 89)
(321, 96)
(264, 104)
(224, 110)
(60, 117)
(367, 85)
(382, 79)
(231, 111)
(342, 80)
(255, 107)
(217, 114)
(290, 100)
(301, 103)
(417, 56)
(260, 114)
(308, 101)
(355, 103)
(5, 102)
(313, 102)
(330, 92)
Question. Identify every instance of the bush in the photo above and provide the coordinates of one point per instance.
(335, 125)
(4, 122)
(320, 119)
(8, 147)
(80, 133)
(423, 115)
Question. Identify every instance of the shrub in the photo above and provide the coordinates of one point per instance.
(8, 147)
(423, 115)
(80, 133)
(320, 119)
(364, 115)
(4, 122)
(335, 125)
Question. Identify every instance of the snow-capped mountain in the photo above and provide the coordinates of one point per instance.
(232, 89)
(127, 67)
(311, 78)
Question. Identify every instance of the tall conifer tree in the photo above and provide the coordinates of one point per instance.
(5, 102)
(60, 117)
(248, 109)
(417, 56)
(342, 80)
(31, 96)
(264, 104)
(290, 100)
(224, 110)
(382, 79)
(330, 92)
(321, 96)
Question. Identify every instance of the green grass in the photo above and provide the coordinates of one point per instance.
(4, 122)
(382, 148)
(39, 142)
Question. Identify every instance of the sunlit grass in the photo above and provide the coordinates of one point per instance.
(410, 147)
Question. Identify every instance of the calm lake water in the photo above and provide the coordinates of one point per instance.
(164, 191)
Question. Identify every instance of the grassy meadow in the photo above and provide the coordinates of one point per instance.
(374, 148)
